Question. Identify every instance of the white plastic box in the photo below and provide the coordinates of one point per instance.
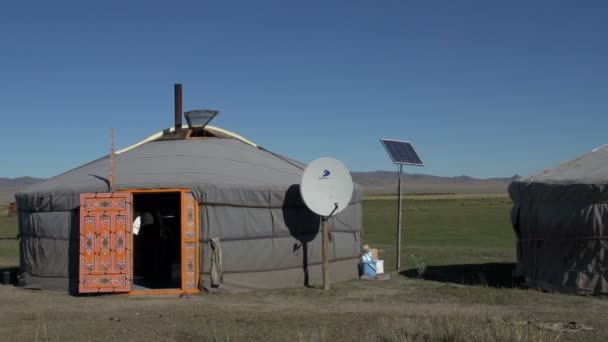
(379, 266)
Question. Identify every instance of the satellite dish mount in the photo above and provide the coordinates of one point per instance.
(326, 189)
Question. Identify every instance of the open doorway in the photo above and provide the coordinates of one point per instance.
(157, 244)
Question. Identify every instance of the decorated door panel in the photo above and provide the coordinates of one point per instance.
(189, 243)
(105, 242)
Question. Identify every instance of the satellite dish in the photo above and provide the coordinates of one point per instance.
(326, 183)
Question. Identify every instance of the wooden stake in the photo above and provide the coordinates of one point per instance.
(111, 159)
(325, 238)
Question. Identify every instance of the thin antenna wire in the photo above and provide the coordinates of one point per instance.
(111, 159)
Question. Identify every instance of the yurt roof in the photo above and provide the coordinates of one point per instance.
(590, 168)
(224, 160)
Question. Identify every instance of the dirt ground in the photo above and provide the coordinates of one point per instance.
(349, 311)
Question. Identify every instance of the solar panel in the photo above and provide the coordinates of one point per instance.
(401, 152)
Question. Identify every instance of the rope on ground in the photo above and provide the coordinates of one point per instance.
(556, 326)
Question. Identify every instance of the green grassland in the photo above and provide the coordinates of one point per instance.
(458, 230)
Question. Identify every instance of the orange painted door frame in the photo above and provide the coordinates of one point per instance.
(190, 246)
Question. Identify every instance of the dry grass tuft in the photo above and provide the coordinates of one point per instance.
(317, 336)
(455, 328)
(420, 265)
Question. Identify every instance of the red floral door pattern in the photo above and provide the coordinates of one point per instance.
(189, 242)
(105, 243)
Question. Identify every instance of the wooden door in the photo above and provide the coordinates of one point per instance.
(105, 242)
(190, 235)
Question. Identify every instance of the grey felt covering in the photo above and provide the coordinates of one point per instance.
(249, 198)
(560, 217)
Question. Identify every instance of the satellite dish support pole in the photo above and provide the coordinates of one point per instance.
(325, 242)
(399, 221)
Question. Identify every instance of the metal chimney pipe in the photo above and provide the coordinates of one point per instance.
(178, 107)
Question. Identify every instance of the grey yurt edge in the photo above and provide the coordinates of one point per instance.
(560, 218)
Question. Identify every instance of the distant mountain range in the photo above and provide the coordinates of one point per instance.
(9, 186)
(386, 182)
(373, 183)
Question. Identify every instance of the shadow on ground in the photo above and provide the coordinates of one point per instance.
(489, 274)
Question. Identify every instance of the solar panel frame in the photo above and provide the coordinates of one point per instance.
(413, 155)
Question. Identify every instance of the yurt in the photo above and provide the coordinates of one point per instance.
(560, 217)
(190, 208)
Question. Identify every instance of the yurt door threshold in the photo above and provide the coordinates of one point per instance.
(139, 242)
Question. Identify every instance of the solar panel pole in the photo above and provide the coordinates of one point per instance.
(401, 152)
(399, 222)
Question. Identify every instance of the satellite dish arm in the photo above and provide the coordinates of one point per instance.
(332, 212)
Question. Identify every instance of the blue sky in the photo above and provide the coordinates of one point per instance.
(482, 88)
